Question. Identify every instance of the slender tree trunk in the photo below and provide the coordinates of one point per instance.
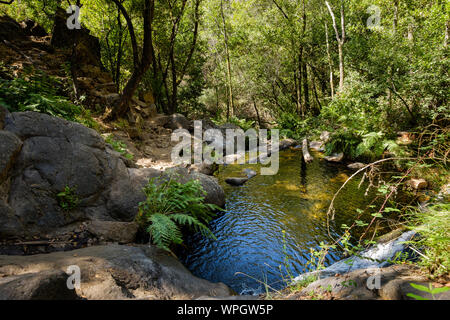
(119, 51)
(299, 84)
(257, 111)
(330, 61)
(447, 31)
(340, 40)
(306, 88)
(395, 22)
(143, 65)
(298, 89)
(227, 54)
(341, 66)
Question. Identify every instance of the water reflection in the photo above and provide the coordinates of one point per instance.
(250, 234)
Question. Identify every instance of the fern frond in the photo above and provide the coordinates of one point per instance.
(164, 231)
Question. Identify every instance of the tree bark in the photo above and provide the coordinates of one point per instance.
(306, 155)
(142, 66)
(330, 61)
(447, 31)
(340, 40)
(231, 110)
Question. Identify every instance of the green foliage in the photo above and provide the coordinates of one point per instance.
(170, 206)
(433, 225)
(374, 144)
(244, 124)
(367, 147)
(39, 93)
(86, 119)
(119, 146)
(430, 290)
(68, 199)
(346, 141)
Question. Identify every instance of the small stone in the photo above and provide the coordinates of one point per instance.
(250, 173)
(356, 166)
(325, 136)
(317, 146)
(417, 184)
(337, 157)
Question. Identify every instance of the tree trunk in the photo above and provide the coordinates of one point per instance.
(340, 40)
(305, 88)
(395, 22)
(227, 53)
(341, 67)
(446, 37)
(142, 66)
(330, 61)
(119, 51)
(257, 112)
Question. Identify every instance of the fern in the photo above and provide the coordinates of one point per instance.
(171, 206)
(374, 144)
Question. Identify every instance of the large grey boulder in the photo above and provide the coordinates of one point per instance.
(391, 283)
(178, 121)
(55, 154)
(10, 146)
(3, 113)
(44, 285)
(110, 272)
(214, 192)
(112, 231)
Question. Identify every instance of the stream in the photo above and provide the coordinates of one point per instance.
(270, 224)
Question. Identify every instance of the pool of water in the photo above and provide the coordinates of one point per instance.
(271, 223)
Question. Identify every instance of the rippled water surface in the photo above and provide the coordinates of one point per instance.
(250, 238)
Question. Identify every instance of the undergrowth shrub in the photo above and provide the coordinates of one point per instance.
(171, 206)
(39, 93)
(433, 225)
(68, 199)
(35, 91)
(119, 146)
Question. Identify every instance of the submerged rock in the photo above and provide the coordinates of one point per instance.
(237, 182)
(337, 157)
(250, 173)
(287, 143)
(110, 272)
(317, 146)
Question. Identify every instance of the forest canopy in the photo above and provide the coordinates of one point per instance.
(301, 64)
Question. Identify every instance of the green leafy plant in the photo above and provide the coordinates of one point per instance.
(171, 206)
(374, 144)
(119, 146)
(37, 92)
(244, 124)
(346, 141)
(68, 199)
(434, 241)
(430, 290)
